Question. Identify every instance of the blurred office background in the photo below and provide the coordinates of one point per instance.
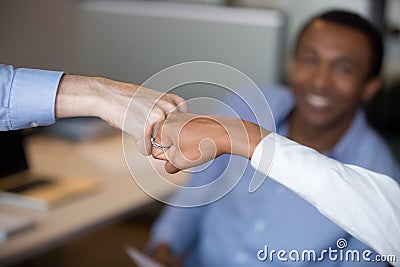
(85, 37)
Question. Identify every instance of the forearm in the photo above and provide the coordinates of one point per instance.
(77, 96)
(93, 96)
(239, 137)
(254, 136)
(134, 109)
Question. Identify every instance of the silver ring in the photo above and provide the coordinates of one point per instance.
(157, 145)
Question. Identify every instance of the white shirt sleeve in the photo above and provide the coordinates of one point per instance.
(364, 203)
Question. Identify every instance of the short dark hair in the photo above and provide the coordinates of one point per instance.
(356, 22)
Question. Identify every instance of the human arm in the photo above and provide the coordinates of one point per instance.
(195, 139)
(174, 232)
(364, 203)
(31, 98)
(134, 109)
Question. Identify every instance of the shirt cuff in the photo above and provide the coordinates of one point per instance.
(282, 160)
(32, 98)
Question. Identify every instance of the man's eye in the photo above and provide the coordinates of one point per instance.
(343, 69)
(308, 60)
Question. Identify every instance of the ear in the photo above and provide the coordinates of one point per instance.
(371, 88)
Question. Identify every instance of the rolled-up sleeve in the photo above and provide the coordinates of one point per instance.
(27, 97)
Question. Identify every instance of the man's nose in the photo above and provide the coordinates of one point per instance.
(321, 78)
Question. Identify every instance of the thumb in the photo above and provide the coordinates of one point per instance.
(171, 168)
(158, 154)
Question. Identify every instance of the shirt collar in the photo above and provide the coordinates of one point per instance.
(352, 136)
(346, 143)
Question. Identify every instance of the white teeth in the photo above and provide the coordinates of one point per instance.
(318, 101)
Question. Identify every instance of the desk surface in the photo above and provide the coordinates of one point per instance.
(117, 196)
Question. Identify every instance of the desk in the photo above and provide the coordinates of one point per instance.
(118, 195)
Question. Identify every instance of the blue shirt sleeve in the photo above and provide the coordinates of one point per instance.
(179, 226)
(27, 97)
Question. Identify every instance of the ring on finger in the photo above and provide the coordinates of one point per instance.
(157, 145)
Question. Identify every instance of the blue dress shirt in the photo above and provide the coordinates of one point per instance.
(27, 97)
(231, 231)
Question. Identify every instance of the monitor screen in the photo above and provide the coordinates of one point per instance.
(133, 40)
(12, 155)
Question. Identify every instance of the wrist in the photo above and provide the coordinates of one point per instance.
(77, 96)
(255, 134)
(222, 137)
(241, 137)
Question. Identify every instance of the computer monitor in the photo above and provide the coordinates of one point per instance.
(21, 188)
(12, 156)
(133, 40)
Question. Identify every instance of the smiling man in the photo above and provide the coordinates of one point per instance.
(336, 66)
(336, 69)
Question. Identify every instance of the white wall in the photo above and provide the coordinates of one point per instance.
(392, 63)
(206, 2)
(133, 40)
(299, 11)
(38, 34)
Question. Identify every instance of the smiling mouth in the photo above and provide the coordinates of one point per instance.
(318, 101)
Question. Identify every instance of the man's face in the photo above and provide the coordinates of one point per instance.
(329, 75)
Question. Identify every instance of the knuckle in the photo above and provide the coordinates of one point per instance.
(169, 107)
(165, 102)
(159, 116)
(179, 99)
(156, 115)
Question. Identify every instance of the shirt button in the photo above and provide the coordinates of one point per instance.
(34, 124)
